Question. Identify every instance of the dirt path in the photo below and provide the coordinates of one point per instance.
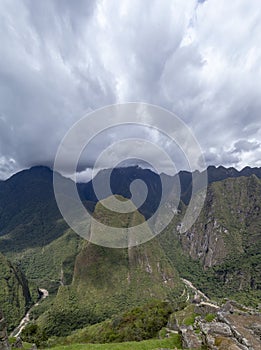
(191, 286)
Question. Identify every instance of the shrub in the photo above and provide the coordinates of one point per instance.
(210, 317)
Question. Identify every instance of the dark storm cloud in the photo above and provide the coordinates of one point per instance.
(61, 59)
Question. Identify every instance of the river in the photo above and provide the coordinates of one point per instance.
(17, 331)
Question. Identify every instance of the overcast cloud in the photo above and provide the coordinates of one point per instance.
(61, 59)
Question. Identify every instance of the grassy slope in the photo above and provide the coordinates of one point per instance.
(151, 344)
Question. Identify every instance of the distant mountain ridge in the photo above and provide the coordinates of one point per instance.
(122, 177)
(29, 213)
(27, 198)
(221, 173)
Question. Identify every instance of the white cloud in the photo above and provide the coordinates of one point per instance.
(59, 59)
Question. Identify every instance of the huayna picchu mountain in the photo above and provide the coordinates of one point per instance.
(87, 283)
(107, 281)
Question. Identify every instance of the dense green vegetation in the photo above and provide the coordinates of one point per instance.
(15, 296)
(51, 265)
(137, 324)
(28, 211)
(108, 281)
(89, 285)
(231, 213)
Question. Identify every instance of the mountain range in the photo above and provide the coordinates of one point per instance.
(220, 253)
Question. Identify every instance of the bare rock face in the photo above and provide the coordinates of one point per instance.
(205, 242)
(4, 344)
(189, 339)
(233, 327)
(230, 209)
(217, 328)
(256, 328)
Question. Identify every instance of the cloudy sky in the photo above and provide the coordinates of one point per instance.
(60, 59)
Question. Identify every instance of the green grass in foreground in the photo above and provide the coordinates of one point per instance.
(172, 342)
(26, 346)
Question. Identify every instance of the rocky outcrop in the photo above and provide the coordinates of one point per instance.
(216, 335)
(243, 326)
(229, 327)
(214, 328)
(256, 328)
(4, 344)
(189, 339)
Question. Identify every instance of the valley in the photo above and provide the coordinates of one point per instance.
(24, 322)
(154, 290)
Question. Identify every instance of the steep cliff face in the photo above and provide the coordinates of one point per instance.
(230, 223)
(15, 296)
